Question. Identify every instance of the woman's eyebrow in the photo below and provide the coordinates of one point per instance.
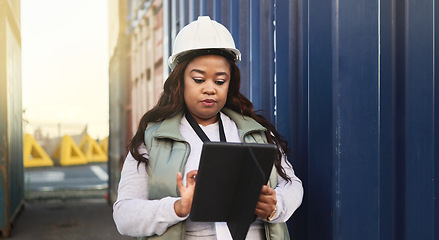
(221, 74)
(198, 71)
(203, 72)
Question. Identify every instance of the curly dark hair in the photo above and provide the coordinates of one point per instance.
(172, 101)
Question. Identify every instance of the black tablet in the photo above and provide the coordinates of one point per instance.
(229, 181)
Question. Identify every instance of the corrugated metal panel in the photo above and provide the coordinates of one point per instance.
(290, 109)
(318, 184)
(119, 98)
(355, 129)
(419, 119)
(388, 129)
(436, 119)
(372, 162)
(11, 143)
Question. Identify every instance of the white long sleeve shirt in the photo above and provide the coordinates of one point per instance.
(137, 216)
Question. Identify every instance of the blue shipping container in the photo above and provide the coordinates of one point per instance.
(351, 85)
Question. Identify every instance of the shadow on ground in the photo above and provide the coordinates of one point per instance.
(66, 219)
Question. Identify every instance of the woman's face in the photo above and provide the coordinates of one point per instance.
(206, 83)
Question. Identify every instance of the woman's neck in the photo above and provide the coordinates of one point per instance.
(206, 121)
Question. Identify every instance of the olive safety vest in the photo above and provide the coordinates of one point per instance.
(168, 153)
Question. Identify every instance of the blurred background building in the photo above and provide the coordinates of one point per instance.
(136, 71)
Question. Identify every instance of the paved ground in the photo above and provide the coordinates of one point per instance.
(70, 219)
(90, 176)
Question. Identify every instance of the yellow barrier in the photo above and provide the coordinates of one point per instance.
(67, 153)
(104, 145)
(91, 149)
(33, 154)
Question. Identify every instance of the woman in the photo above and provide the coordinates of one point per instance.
(158, 177)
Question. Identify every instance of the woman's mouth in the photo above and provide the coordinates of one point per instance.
(208, 102)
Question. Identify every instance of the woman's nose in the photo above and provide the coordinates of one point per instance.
(209, 89)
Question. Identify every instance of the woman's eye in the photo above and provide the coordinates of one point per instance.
(220, 82)
(198, 80)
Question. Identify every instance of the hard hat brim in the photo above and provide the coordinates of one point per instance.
(231, 54)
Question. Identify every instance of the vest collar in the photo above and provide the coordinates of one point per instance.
(244, 123)
(170, 126)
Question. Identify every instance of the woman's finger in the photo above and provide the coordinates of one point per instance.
(191, 177)
(266, 203)
(179, 180)
(267, 190)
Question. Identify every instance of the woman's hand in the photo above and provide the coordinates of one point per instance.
(182, 207)
(266, 205)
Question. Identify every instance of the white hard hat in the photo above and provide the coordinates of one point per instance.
(201, 37)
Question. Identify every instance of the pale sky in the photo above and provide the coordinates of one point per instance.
(65, 65)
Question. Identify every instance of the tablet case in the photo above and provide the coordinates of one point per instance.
(229, 181)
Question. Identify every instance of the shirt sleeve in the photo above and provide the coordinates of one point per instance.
(288, 194)
(133, 213)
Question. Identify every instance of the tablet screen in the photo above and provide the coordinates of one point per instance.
(230, 175)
